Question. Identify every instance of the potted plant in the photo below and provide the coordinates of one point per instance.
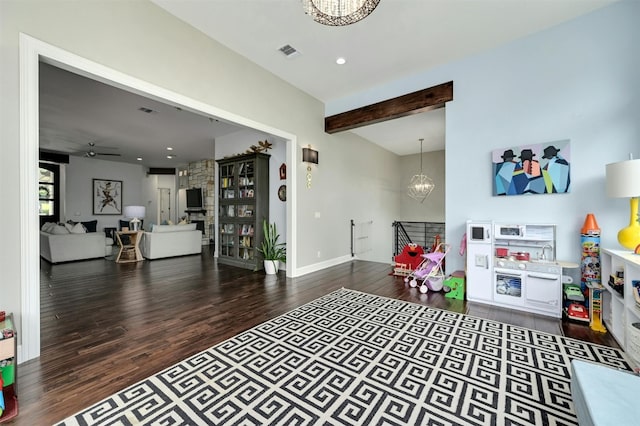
(272, 251)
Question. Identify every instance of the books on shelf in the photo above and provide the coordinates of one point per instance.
(246, 193)
(245, 168)
(226, 228)
(245, 181)
(246, 230)
(245, 210)
(246, 254)
(226, 182)
(245, 241)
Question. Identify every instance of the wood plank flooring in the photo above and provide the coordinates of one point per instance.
(106, 326)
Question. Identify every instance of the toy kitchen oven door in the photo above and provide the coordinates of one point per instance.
(508, 286)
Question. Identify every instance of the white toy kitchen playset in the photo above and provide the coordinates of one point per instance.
(514, 266)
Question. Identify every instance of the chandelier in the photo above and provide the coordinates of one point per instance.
(338, 12)
(420, 186)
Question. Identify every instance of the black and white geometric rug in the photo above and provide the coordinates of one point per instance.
(354, 358)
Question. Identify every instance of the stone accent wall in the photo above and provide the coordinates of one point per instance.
(201, 175)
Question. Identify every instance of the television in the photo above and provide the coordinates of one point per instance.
(194, 198)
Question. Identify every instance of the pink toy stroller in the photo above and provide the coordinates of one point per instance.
(430, 270)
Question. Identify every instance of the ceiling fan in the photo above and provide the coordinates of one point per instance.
(91, 152)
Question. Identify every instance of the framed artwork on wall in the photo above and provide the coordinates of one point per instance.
(107, 197)
(532, 169)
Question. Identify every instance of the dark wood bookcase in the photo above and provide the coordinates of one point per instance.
(243, 191)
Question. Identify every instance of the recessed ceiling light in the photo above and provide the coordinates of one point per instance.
(139, 158)
(341, 61)
(170, 157)
(169, 148)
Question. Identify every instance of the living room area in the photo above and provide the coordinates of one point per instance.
(162, 197)
(165, 174)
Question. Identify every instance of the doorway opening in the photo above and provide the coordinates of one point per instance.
(32, 52)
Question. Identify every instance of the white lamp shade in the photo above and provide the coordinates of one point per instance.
(134, 212)
(623, 179)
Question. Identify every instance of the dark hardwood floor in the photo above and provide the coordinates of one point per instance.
(106, 326)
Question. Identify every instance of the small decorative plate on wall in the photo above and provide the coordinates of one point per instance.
(282, 192)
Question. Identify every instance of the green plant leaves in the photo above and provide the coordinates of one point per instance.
(270, 248)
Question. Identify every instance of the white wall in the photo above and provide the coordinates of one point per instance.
(354, 180)
(432, 209)
(577, 81)
(150, 197)
(80, 173)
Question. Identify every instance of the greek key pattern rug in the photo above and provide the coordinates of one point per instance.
(354, 358)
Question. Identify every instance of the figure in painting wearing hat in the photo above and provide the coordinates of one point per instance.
(527, 177)
(503, 173)
(530, 166)
(556, 171)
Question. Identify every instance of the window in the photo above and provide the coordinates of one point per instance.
(48, 193)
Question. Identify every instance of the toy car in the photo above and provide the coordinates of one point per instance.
(577, 312)
(573, 292)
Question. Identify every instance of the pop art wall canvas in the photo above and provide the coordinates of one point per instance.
(532, 169)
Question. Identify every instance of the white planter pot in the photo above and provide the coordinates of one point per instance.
(271, 267)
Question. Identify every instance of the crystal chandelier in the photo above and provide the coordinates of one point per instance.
(338, 12)
(420, 186)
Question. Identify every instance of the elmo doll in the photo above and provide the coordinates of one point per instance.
(411, 256)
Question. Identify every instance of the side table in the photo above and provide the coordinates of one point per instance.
(129, 252)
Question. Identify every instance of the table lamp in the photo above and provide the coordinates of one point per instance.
(623, 181)
(134, 213)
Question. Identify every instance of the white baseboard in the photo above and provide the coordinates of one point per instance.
(323, 265)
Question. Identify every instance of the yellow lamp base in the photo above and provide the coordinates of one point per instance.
(629, 237)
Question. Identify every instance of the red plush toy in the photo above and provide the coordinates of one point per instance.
(411, 256)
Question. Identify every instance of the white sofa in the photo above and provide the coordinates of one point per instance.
(171, 240)
(61, 247)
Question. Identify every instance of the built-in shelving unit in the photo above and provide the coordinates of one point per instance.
(622, 305)
(243, 204)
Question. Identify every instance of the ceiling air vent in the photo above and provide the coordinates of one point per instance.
(147, 110)
(289, 51)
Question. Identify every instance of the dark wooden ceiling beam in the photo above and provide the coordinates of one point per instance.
(402, 106)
